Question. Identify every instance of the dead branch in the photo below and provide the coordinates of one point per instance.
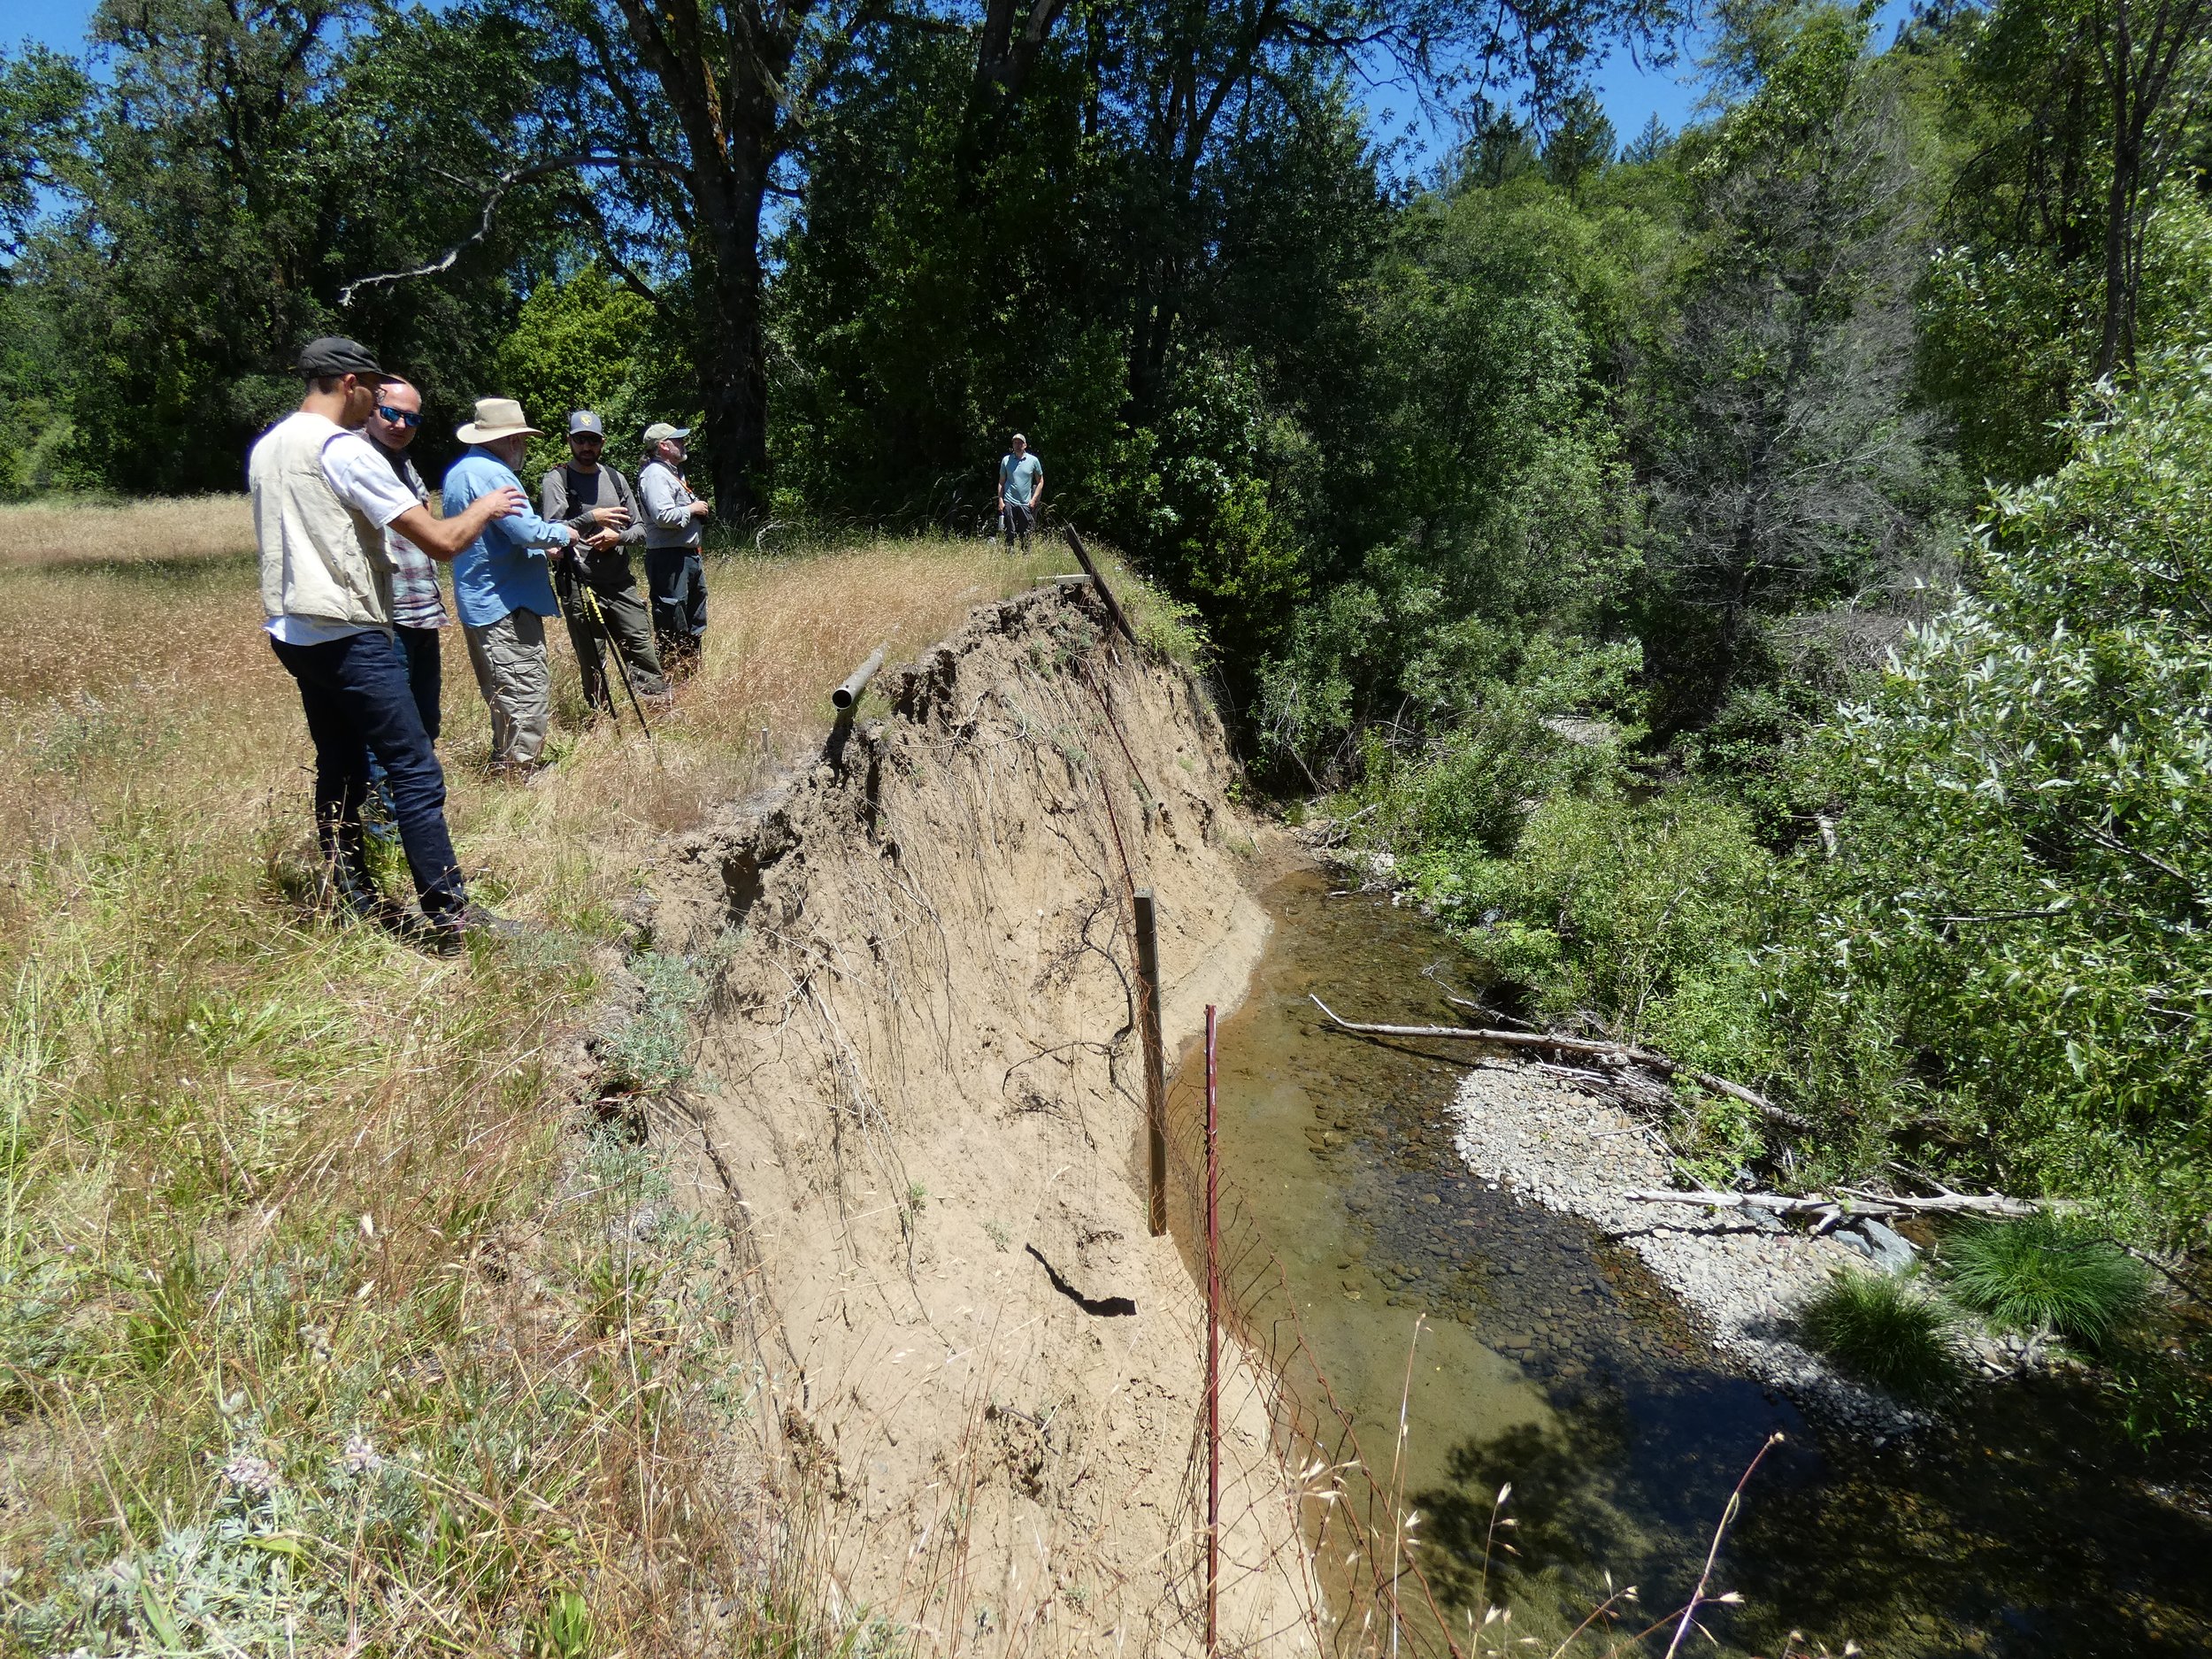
(1618, 1053)
(493, 192)
(1850, 1199)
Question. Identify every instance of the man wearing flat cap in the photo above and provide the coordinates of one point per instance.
(323, 500)
(674, 518)
(596, 501)
(503, 590)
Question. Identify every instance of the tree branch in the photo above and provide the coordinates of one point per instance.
(501, 185)
(1848, 1201)
(1615, 1051)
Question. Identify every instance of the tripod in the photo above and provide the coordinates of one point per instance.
(612, 647)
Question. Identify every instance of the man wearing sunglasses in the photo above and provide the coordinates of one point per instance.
(418, 609)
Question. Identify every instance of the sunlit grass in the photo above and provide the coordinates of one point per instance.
(2042, 1272)
(86, 530)
(1884, 1332)
(319, 1318)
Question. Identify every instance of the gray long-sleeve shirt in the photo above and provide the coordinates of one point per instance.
(669, 521)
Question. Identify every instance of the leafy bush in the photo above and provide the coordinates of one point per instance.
(2008, 948)
(653, 1049)
(2045, 1273)
(1643, 915)
(1883, 1332)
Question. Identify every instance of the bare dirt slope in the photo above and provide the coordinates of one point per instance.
(921, 1079)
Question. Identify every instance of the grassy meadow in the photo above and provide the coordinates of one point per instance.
(327, 1322)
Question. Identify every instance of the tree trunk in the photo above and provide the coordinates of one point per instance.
(723, 75)
(730, 355)
(2119, 212)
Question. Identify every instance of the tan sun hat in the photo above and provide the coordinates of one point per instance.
(495, 417)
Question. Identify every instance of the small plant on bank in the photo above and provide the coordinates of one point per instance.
(2044, 1273)
(653, 1051)
(1882, 1332)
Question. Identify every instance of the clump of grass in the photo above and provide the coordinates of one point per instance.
(1882, 1332)
(319, 1326)
(2044, 1273)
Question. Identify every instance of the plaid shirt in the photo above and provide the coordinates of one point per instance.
(416, 602)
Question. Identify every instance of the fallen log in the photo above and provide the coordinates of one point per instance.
(1848, 1201)
(1619, 1053)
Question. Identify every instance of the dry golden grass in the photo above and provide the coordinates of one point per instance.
(65, 531)
(299, 1204)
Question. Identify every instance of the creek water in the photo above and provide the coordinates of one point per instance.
(1548, 1357)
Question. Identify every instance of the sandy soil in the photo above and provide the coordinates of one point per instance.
(920, 1079)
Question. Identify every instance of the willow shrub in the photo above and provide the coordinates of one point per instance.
(1643, 918)
(2006, 957)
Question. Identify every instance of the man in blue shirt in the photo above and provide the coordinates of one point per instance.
(503, 590)
(1021, 491)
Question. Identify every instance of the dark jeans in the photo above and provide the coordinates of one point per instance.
(418, 650)
(419, 647)
(359, 702)
(628, 631)
(678, 583)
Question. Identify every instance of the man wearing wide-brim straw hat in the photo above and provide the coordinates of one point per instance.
(503, 590)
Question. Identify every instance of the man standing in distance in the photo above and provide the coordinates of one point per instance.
(674, 519)
(596, 502)
(323, 498)
(501, 585)
(1021, 491)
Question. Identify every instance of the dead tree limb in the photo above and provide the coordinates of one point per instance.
(495, 191)
(1618, 1052)
(1847, 1199)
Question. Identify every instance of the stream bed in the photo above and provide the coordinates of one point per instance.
(1549, 1358)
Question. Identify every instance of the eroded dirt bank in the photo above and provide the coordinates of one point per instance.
(921, 1079)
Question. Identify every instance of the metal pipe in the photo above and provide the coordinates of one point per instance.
(1083, 556)
(1155, 1052)
(1213, 1347)
(846, 694)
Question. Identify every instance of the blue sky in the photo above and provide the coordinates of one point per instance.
(1631, 93)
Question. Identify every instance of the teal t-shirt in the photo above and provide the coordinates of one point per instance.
(1018, 478)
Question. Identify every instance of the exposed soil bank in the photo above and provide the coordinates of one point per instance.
(920, 1078)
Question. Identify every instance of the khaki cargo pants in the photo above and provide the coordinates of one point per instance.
(515, 677)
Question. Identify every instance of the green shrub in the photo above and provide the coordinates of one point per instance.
(2001, 948)
(1883, 1332)
(2045, 1273)
(654, 1050)
(1641, 914)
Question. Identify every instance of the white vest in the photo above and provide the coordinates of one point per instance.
(319, 558)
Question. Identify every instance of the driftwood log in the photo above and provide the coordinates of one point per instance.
(1848, 1202)
(1617, 1053)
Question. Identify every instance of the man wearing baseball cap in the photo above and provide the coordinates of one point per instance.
(596, 501)
(673, 518)
(502, 588)
(323, 499)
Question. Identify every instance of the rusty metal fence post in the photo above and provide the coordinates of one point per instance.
(1155, 1055)
(1213, 1347)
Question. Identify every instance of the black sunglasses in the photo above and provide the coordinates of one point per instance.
(399, 417)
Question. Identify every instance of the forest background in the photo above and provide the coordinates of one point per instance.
(1754, 581)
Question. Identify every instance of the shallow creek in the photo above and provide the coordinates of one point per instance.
(1547, 1358)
